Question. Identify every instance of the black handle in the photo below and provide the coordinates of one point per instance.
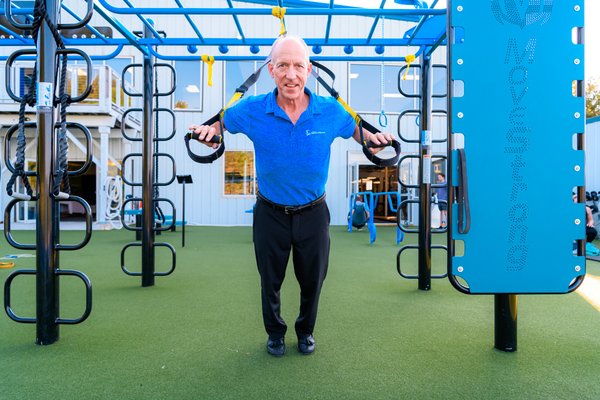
(372, 145)
(215, 139)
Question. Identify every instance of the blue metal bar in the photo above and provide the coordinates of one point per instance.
(192, 24)
(131, 39)
(78, 18)
(356, 42)
(262, 58)
(314, 4)
(438, 42)
(375, 22)
(421, 22)
(237, 22)
(14, 34)
(328, 28)
(266, 11)
(75, 57)
(146, 23)
(7, 30)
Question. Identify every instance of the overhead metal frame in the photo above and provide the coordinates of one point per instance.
(425, 44)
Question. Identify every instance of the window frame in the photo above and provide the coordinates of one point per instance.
(376, 64)
(200, 87)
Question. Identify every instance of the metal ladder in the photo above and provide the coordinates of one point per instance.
(425, 157)
(149, 182)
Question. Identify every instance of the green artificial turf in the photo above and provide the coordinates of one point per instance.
(198, 334)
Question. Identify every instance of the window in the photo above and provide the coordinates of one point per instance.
(188, 94)
(239, 177)
(365, 89)
(236, 72)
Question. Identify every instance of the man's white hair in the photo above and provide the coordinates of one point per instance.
(296, 38)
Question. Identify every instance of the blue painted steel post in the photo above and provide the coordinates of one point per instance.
(425, 151)
(505, 321)
(47, 301)
(148, 170)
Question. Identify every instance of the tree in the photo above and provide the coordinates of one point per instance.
(592, 101)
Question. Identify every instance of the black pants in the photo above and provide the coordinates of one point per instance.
(590, 234)
(306, 235)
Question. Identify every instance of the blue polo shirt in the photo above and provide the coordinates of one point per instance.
(292, 161)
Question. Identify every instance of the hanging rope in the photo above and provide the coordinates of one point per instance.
(210, 60)
(62, 173)
(279, 12)
(28, 99)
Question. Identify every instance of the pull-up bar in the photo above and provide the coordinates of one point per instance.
(365, 12)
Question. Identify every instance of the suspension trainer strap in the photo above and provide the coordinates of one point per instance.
(239, 93)
(389, 162)
(462, 194)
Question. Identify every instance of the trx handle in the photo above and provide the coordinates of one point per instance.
(208, 159)
(462, 194)
(366, 145)
(380, 162)
(215, 139)
(239, 93)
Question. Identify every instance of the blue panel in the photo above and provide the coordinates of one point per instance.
(518, 115)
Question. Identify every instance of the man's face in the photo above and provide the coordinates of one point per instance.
(440, 178)
(289, 68)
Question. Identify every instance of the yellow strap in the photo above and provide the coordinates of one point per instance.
(350, 110)
(279, 12)
(7, 264)
(236, 96)
(210, 60)
(409, 58)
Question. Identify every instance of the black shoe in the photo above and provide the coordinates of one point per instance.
(306, 345)
(276, 347)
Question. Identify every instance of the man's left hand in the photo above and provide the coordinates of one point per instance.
(379, 138)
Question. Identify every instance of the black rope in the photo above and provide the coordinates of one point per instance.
(62, 173)
(28, 99)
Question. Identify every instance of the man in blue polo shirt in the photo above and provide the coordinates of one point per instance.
(292, 130)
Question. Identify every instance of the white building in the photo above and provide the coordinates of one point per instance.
(224, 191)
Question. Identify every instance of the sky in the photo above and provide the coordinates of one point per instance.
(592, 29)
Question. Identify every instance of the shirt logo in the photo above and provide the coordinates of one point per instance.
(522, 12)
(309, 133)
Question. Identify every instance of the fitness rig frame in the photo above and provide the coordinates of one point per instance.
(424, 35)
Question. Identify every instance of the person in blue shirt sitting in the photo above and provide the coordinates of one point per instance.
(360, 213)
(292, 130)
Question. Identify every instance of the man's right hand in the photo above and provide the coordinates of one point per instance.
(206, 133)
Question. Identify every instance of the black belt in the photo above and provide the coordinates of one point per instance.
(291, 210)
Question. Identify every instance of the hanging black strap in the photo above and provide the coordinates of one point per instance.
(389, 162)
(462, 194)
(239, 93)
